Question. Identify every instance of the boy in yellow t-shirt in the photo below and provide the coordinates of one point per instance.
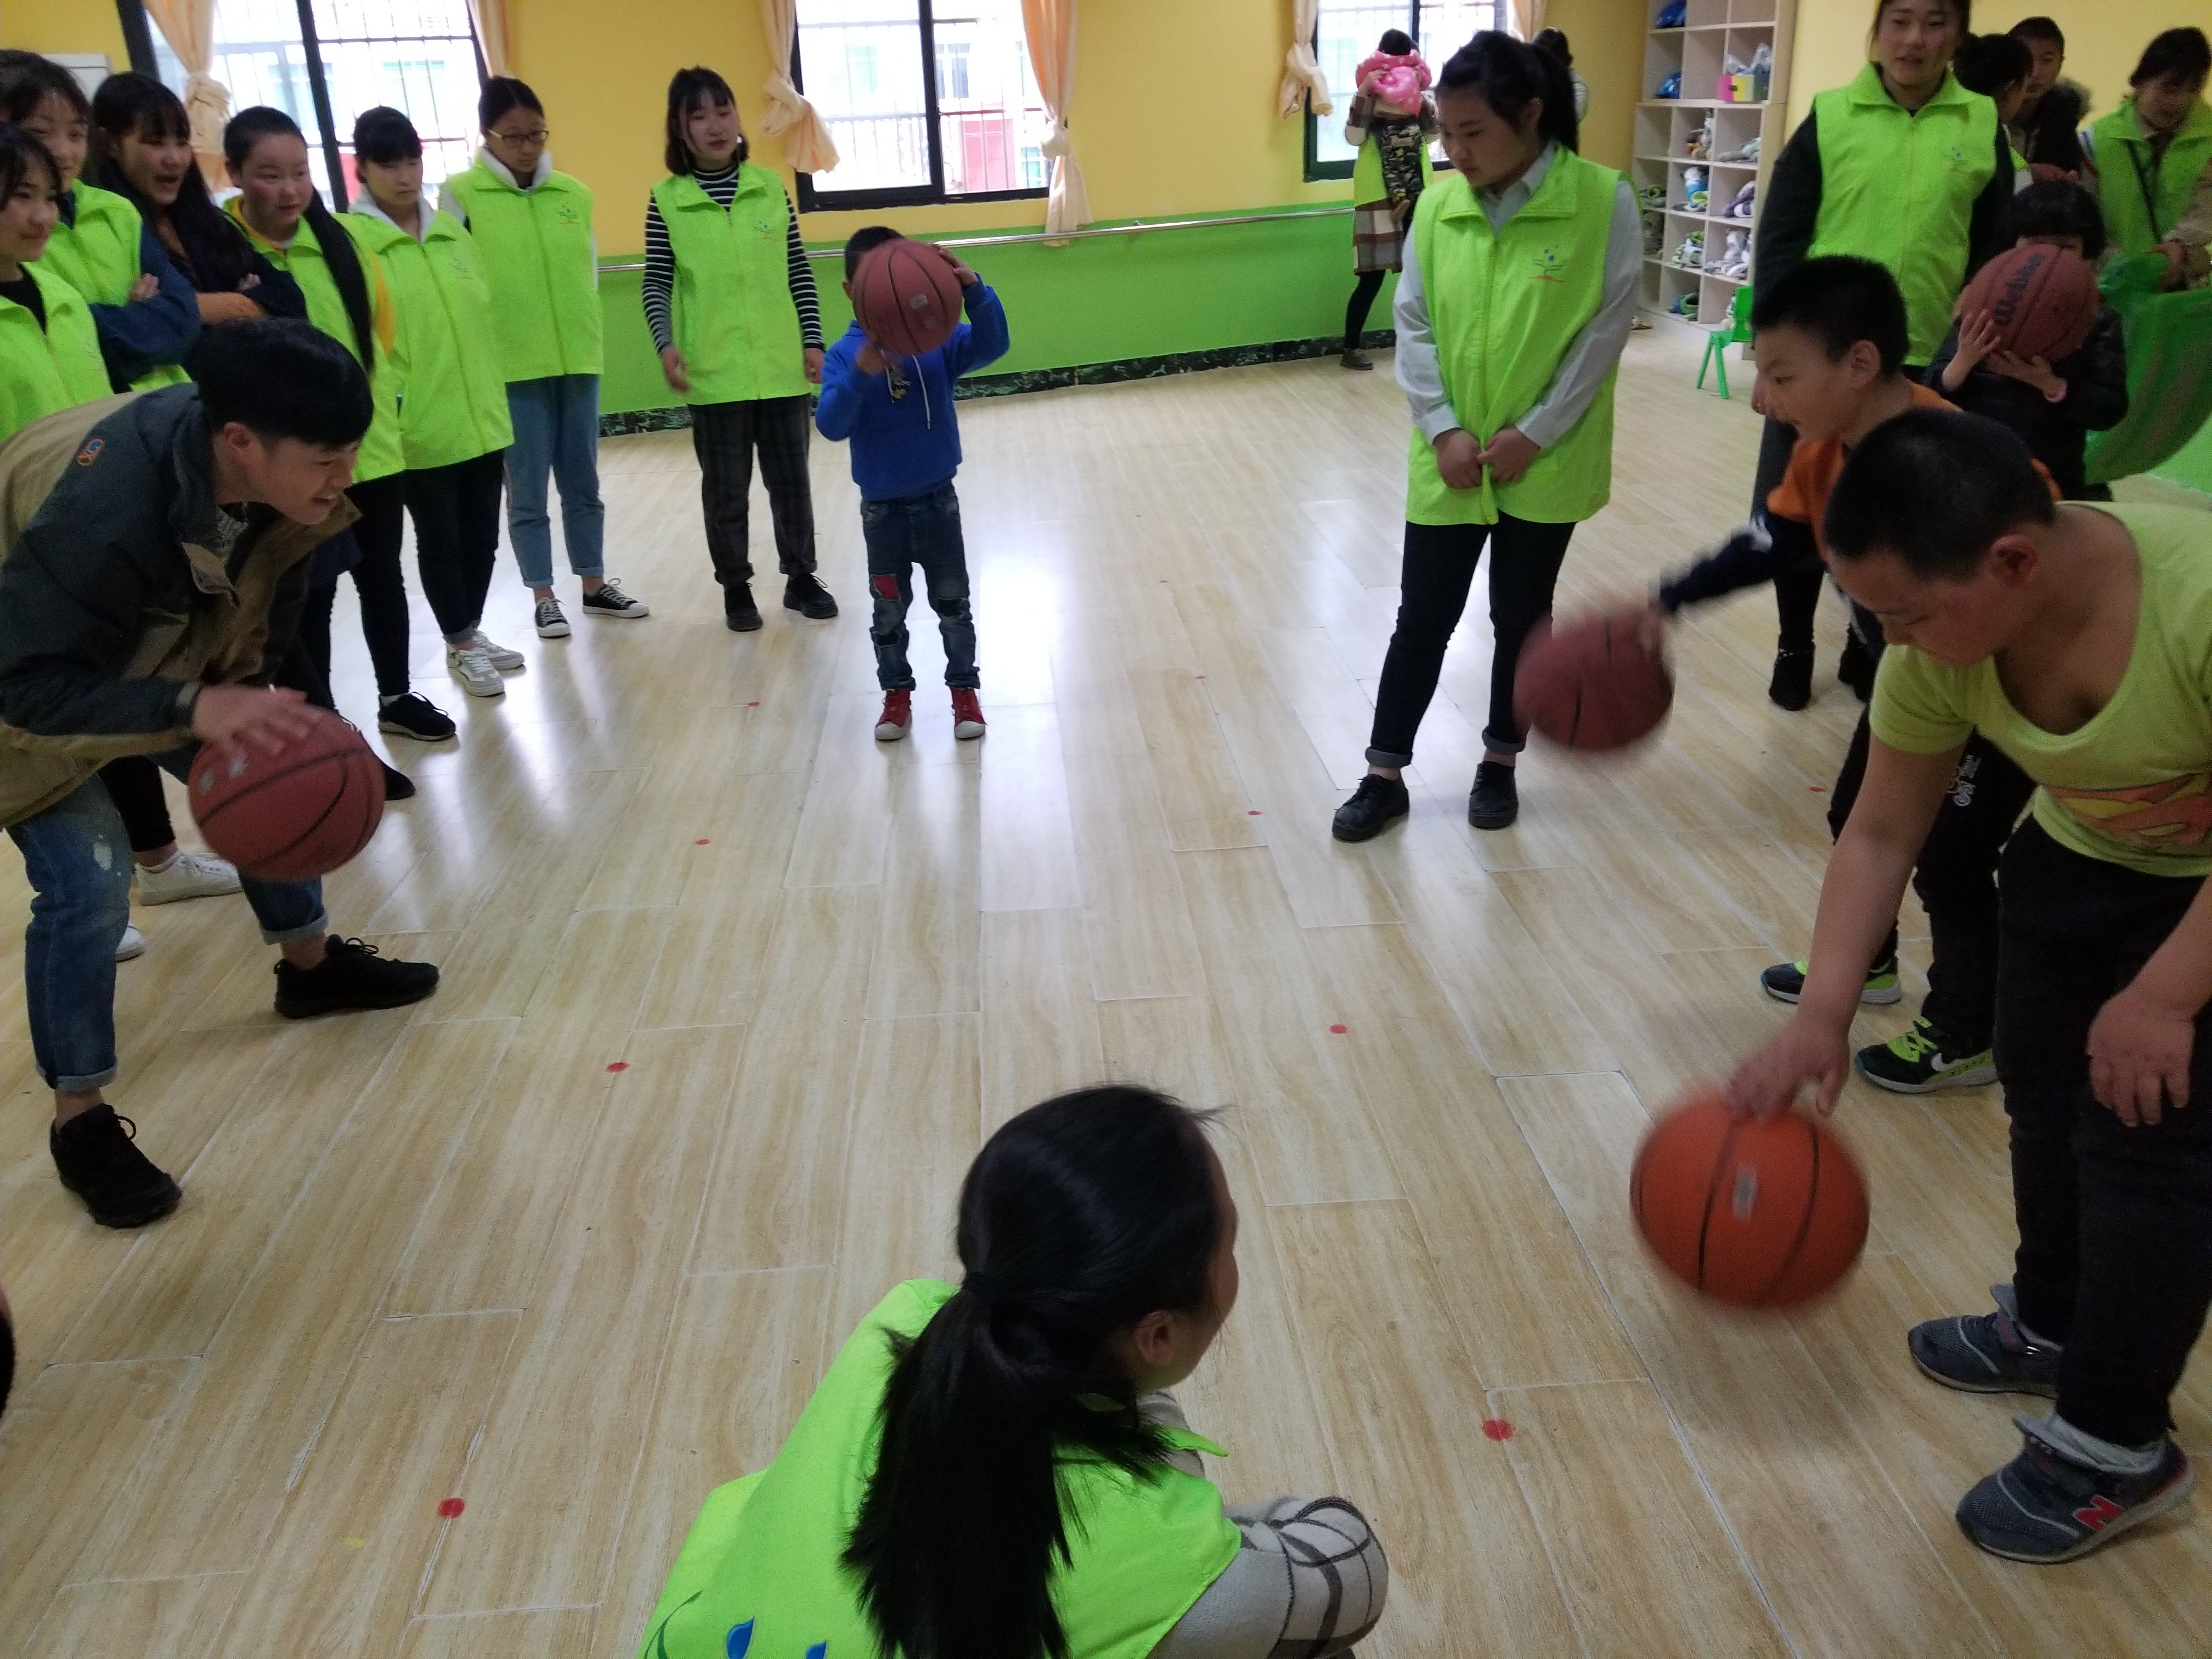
(2078, 641)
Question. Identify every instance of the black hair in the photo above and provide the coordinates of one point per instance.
(1988, 63)
(384, 135)
(29, 79)
(132, 104)
(1839, 299)
(1963, 8)
(2184, 53)
(281, 378)
(1077, 1218)
(857, 245)
(248, 128)
(1935, 487)
(1510, 75)
(2032, 29)
(20, 152)
(1553, 41)
(2058, 207)
(1396, 42)
(502, 93)
(687, 91)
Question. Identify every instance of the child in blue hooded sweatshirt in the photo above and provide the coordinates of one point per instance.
(905, 447)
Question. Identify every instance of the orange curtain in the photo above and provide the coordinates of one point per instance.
(806, 141)
(1050, 26)
(1302, 73)
(189, 27)
(489, 17)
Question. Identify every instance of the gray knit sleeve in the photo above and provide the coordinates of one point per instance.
(1308, 1583)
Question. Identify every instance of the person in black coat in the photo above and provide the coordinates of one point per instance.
(2046, 127)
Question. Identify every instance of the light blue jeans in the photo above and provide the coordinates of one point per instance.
(557, 430)
(77, 857)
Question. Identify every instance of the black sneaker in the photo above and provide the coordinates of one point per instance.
(1374, 807)
(398, 786)
(612, 601)
(1495, 801)
(1986, 1353)
(409, 715)
(1791, 687)
(96, 1156)
(740, 614)
(1926, 1058)
(353, 976)
(804, 594)
(1858, 667)
(1785, 982)
(2043, 1506)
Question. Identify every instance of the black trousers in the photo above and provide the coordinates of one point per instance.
(378, 579)
(1796, 592)
(1956, 879)
(2115, 1258)
(724, 436)
(1438, 569)
(1355, 311)
(456, 514)
(134, 783)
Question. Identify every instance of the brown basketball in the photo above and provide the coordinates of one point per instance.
(1592, 684)
(294, 815)
(1757, 1214)
(906, 297)
(2043, 299)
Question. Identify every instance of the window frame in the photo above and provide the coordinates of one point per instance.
(1317, 170)
(814, 199)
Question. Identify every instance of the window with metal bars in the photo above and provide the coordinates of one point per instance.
(1347, 31)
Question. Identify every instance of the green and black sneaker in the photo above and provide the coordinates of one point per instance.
(1785, 982)
(1924, 1061)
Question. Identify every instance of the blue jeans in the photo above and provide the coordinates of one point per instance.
(77, 858)
(556, 429)
(902, 533)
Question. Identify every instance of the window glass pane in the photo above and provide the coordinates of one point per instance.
(258, 56)
(990, 123)
(1349, 29)
(418, 56)
(862, 62)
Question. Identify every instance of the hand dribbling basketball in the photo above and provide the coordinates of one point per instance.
(230, 717)
(1766, 1082)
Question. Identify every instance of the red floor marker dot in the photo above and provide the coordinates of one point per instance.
(619, 1066)
(450, 1507)
(1338, 1031)
(702, 841)
(1817, 789)
(1498, 1428)
(753, 705)
(1251, 812)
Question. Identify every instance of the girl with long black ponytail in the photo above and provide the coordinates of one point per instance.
(995, 1472)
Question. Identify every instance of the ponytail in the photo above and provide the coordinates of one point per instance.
(248, 128)
(1079, 1217)
(1510, 75)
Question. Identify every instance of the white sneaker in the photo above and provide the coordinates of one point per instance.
(189, 876)
(504, 657)
(551, 624)
(132, 943)
(472, 665)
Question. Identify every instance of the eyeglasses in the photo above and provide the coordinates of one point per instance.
(536, 136)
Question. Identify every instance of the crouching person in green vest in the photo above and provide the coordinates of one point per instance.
(995, 1471)
(1518, 290)
(730, 299)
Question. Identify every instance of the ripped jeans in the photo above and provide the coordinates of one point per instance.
(77, 857)
(902, 533)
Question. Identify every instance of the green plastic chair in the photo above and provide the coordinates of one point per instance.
(1735, 331)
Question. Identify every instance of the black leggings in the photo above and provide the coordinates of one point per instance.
(1439, 570)
(2115, 1258)
(1363, 298)
(456, 514)
(134, 784)
(378, 580)
(1796, 592)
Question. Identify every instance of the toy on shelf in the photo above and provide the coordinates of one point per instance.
(1700, 143)
(1696, 196)
(1690, 255)
(1655, 234)
(1653, 196)
(1671, 86)
(1735, 256)
(1686, 306)
(1745, 153)
(1673, 14)
(1742, 207)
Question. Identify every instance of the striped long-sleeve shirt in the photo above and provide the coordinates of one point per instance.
(660, 285)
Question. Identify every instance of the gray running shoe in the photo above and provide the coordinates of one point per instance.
(2043, 1506)
(1986, 1353)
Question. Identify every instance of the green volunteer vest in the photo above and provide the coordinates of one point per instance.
(2142, 206)
(1367, 174)
(1897, 187)
(97, 256)
(735, 322)
(536, 250)
(382, 452)
(454, 402)
(759, 1575)
(1503, 307)
(43, 370)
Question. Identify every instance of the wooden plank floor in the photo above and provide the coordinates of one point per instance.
(733, 992)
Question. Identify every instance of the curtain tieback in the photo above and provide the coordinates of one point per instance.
(207, 106)
(1058, 144)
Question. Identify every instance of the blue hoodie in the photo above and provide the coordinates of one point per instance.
(909, 444)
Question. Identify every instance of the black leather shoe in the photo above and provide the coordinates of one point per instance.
(352, 975)
(1374, 807)
(804, 594)
(741, 615)
(1857, 667)
(96, 1156)
(398, 786)
(1791, 688)
(1495, 801)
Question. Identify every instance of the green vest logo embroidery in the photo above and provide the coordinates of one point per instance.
(764, 228)
(1549, 266)
(566, 215)
(1955, 160)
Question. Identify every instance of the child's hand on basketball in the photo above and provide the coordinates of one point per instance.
(673, 370)
(1766, 1082)
(813, 356)
(1459, 460)
(2139, 1051)
(966, 273)
(232, 716)
(2032, 371)
(868, 360)
(1978, 338)
(1509, 454)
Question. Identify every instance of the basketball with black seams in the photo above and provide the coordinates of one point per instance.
(1597, 683)
(906, 297)
(301, 812)
(2043, 300)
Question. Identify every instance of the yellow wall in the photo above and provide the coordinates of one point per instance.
(64, 25)
(2103, 38)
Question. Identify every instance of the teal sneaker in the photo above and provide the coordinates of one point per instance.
(1785, 982)
(1924, 1061)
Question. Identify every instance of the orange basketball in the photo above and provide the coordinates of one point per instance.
(1594, 684)
(1760, 1215)
(906, 297)
(294, 815)
(2043, 299)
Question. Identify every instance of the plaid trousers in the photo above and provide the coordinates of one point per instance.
(724, 437)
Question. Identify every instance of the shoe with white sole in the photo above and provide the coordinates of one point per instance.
(612, 601)
(187, 876)
(504, 657)
(472, 665)
(968, 723)
(897, 716)
(551, 624)
(132, 943)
